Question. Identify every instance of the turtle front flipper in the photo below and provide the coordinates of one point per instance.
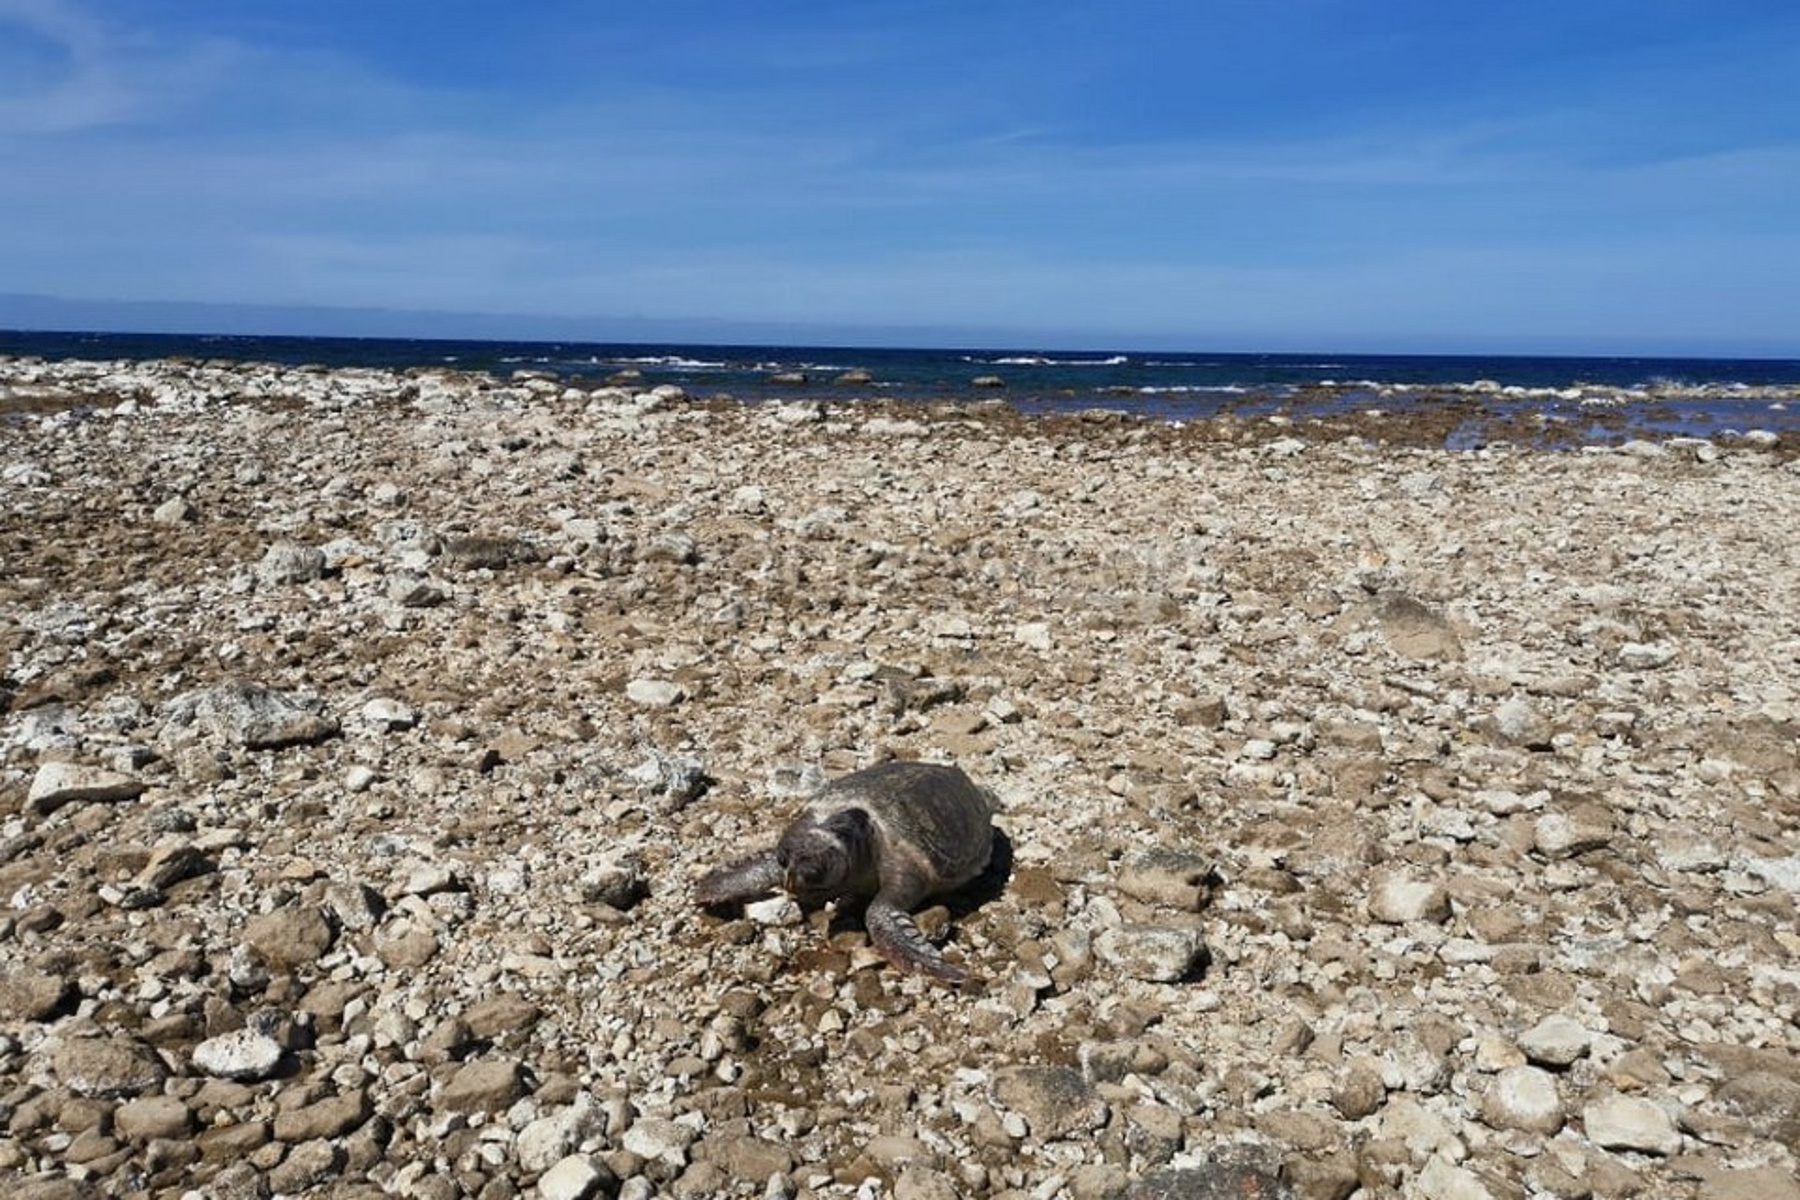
(736, 882)
(897, 939)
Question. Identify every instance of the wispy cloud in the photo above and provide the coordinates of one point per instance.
(84, 88)
(758, 169)
(92, 74)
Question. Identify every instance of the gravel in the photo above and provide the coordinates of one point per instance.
(1378, 818)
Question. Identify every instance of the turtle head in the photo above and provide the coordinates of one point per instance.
(819, 860)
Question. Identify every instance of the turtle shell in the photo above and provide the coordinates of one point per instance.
(933, 815)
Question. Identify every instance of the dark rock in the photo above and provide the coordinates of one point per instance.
(173, 864)
(500, 1014)
(487, 1085)
(305, 1167)
(290, 937)
(331, 1117)
(27, 995)
(1769, 1102)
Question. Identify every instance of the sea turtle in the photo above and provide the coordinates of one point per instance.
(893, 834)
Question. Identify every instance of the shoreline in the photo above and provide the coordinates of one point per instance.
(379, 724)
(1688, 419)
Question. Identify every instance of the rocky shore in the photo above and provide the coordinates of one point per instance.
(1380, 820)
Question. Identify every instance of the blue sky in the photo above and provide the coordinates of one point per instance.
(1567, 175)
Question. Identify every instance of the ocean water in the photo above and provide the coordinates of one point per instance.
(1667, 395)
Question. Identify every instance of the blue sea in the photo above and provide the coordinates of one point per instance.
(1657, 395)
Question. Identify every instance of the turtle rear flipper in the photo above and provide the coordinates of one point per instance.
(897, 939)
(746, 879)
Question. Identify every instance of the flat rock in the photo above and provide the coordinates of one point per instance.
(1414, 629)
(60, 783)
(1219, 1181)
(1109, 1062)
(401, 945)
(1769, 1102)
(750, 1157)
(153, 1117)
(507, 1012)
(250, 716)
(1180, 879)
(416, 591)
(487, 552)
(1630, 1123)
(333, 1116)
(1404, 1119)
(1750, 1183)
(675, 779)
(1154, 953)
(173, 863)
(1560, 835)
(1646, 656)
(1360, 1089)
(305, 1167)
(486, 1085)
(1056, 1102)
(354, 906)
(654, 693)
(617, 882)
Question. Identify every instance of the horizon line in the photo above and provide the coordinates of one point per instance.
(26, 313)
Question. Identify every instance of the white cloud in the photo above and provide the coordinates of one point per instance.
(87, 89)
(98, 75)
(210, 169)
